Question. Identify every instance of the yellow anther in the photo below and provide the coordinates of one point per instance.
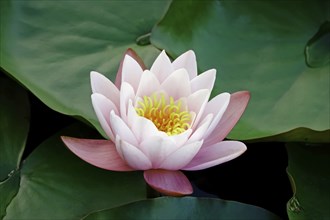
(167, 115)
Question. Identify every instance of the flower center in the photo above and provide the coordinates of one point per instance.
(167, 115)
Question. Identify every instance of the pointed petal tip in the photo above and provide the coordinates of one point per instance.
(64, 138)
(168, 182)
(213, 70)
(216, 154)
(68, 140)
(130, 52)
(243, 97)
(243, 93)
(191, 52)
(93, 76)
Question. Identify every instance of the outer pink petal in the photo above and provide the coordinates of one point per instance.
(203, 81)
(100, 153)
(133, 54)
(162, 67)
(177, 84)
(187, 61)
(101, 84)
(217, 106)
(216, 154)
(181, 157)
(133, 156)
(131, 72)
(171, 183)
(236, 107)
(103, 107)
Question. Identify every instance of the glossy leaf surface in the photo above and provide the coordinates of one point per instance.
(52, 46)
(14, 125)
(52, 178)
(275, 49)
(184, 208)
(310, 179)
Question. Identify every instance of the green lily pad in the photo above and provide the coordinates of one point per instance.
(56, 184)
(14, 126)
(8, 190)
(310, 178)
(184, 208)
(52, 46)
(260, 46)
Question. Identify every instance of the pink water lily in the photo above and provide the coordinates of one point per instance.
(161, 121)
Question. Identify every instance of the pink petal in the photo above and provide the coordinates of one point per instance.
(201, 129)
(157, 148)
(120, 128)
(162, 67)
(133, 54)
(181, 138)
(101, 84)
(182, 156)
(141, 127)
(126, 94)
(133, 156)
(102, 107)
(131, 72)
(217, 106)
(177, 84)
(216, 154)
(236, 107)
(171, 183)
(148, 84)
(187, 61)
(196, 103)
(203, 81)
(100, 153)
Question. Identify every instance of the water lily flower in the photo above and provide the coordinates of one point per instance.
(161, 121)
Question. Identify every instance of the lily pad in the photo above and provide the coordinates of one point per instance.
(52, 178)
(310, 179)
(52, 46)
(14, 126)
(8, 190)
(260, 46)
(184, 208)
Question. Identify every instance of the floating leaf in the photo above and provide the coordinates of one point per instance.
(184, 208)
(8, 190)
(259, 46)
(14, 125)
(52, 178)
(310, 178)
(51, 46)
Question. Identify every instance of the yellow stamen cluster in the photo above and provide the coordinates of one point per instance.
(167, 115)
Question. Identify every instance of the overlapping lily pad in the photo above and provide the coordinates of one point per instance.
(14, 126)
(278, 50)
(53, 178)
(51, 46)
(184, 208)
(310, 178)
